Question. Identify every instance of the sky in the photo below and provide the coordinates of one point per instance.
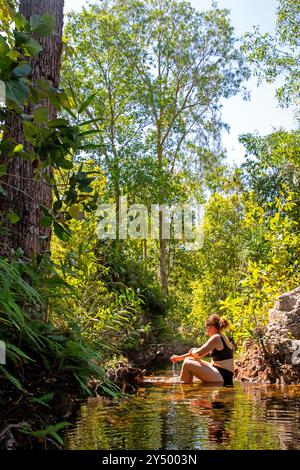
(261, 113)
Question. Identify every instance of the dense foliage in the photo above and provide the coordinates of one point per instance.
(139, 115)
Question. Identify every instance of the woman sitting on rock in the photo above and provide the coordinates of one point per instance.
(221, 368)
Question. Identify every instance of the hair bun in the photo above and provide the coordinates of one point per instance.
(224, 323)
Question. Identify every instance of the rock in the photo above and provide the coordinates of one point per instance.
(278, 358)
(128, 378)
(247, 344)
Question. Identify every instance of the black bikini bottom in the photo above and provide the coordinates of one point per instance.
(227, 376)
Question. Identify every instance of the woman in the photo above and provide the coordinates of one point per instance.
(221, 351)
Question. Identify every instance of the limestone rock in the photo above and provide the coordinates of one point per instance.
(278, 358)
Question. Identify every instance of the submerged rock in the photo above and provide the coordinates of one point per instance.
(126, 377)
(277, 358)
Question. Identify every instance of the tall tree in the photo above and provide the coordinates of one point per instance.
(187, 62)
(182, 63)
(26, 186)
(109, 77)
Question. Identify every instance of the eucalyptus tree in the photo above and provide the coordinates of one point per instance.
(160, 69)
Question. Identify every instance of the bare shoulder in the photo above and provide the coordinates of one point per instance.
(215, 340)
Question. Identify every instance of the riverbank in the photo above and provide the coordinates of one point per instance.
(31, 418)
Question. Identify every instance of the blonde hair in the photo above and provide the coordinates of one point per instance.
(220, 323)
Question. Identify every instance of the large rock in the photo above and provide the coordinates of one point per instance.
(286, 313)
(277, 360)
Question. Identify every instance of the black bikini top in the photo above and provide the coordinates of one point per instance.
(225, 353)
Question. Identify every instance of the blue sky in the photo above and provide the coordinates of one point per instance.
(261, 113)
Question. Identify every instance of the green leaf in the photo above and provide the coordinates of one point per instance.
(85, 104)
(74, 211)
(4, 48)
(90, 132)
(50, 430)
(64, 101)
(65, 164)
(18, 148)
(58, 123)
(20, 21)
(13, 217)
(91, 121)
(58, 438)
(20, 38)
(13, 55)
(82, 384)
(43, 400)
(42, 25)
(21, 71)
(41, 114)
(42, 83)
(57, 205)
(19, 352)
(109, 391)
(61, 232)
(44, 210)
(70, 112)
(12, 378)
(29, 157)
(46, 221)
(6, 145)
(35, 21)
(90, 147)
(57, 338)
(3, 170)
(30, 131)
(17, 91)
(85, 189)
(32, 47)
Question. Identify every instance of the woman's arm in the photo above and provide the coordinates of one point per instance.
(199, 352)
(204, 350)
(176, 358)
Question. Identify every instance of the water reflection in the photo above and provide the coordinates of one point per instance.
(218, 411)
(168, 415)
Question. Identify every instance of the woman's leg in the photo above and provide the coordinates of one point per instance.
(201, 369)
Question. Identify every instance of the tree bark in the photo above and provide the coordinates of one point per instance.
(25, 190)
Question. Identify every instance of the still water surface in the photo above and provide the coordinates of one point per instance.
(166, 415)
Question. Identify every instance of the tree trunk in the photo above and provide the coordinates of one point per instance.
(162, 241)
(25, 191)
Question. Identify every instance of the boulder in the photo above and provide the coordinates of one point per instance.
(125, 376)
(277, 360)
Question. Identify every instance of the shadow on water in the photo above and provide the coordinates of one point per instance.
(165, 414)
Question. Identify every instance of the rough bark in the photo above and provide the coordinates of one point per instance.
(25, 189)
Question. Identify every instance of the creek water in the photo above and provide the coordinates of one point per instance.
(169, 415)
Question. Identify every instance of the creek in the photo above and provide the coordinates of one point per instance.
(164, 414)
